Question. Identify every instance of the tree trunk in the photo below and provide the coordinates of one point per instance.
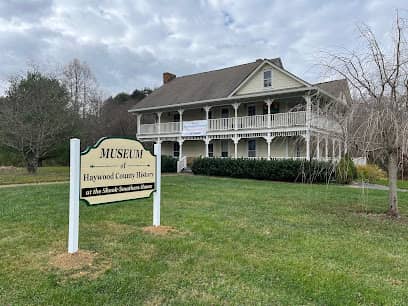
(392, 177)
(32, 164)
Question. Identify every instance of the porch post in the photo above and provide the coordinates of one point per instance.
(287, 147)
(207, 111)
(318, 146)
(159, 122)
(334, 149)
(308, 123)
(235, 106)
(307, 145)
(268, 142)
(268, 103)
(235, 140)
(138, 120)
(181, 111)
(180, 141)
(326, 151)
(207, 142)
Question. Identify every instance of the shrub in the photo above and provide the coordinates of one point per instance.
(168, 164)
(287, 170)
(345, 170)
(370, 173)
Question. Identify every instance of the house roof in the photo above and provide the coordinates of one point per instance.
(335, 88)
(213, 84)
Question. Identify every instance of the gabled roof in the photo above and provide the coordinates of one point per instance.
(335, 88)
(214, 84)
(222, 83)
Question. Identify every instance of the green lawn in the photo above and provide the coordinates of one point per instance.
(239, 242)
(44, 174)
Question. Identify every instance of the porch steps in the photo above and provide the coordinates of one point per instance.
(187, 170)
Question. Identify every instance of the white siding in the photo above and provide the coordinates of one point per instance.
(279, 81)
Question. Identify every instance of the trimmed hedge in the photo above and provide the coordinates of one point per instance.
(287, 170)
(168, 164)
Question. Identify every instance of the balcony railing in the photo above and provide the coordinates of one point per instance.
(279, 120)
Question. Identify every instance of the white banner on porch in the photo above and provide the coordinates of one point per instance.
(194, 128)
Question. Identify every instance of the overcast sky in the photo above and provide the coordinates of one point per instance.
(129, 43)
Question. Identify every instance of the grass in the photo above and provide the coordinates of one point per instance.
(12, 175)
(239, 242)
(402, 184)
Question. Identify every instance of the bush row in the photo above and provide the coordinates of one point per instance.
(168, 164)
(287, 170)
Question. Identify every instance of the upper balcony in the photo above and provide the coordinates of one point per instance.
(279, 121)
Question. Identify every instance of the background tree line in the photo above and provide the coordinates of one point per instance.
(40, 111)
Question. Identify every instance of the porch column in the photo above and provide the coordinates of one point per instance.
(307, 145)
(318, 146)
(268, 142)
(138, 120)
(326, 150)
(308, 123)
(207, 142)
(181, 111)
(287, 147)
(158, 121)
(235, 140)
(308, 100)
(268, 103)
(180, 141)
(334, 148)
(235, 106)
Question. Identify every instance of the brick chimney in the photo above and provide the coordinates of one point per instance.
(167, 77)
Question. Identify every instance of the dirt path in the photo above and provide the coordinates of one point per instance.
(372, 186)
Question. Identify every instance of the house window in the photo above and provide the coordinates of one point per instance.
(252, 148)
(210, 150)
(176, 149)
(251, 110)
(176, 118)
(210, 115)
(267, 78)
(224, 148)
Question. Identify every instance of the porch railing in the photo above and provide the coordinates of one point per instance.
(221, 124)
(279, 120)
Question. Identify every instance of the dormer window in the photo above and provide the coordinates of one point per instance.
(267, 78)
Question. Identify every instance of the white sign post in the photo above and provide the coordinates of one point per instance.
(114, 170)
(74, 166)
(156, 194)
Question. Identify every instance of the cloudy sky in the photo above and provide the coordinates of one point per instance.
(129, 43)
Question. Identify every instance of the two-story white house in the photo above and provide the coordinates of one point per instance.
(254, 110)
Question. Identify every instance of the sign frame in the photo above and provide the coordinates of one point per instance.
(95, 146)
(75, 188)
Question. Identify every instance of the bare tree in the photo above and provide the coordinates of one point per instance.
(82, 87)
(377, 120)
(34, 117)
